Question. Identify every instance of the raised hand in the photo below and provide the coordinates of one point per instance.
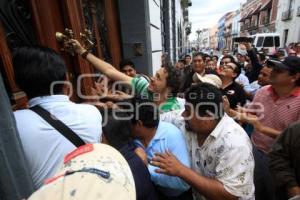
(75, 45)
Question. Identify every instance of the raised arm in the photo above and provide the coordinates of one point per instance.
(256, 66)
(104, 67)
(210, 188)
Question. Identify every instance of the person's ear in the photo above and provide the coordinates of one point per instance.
(234, 75)
(296, 77)
(139, 123)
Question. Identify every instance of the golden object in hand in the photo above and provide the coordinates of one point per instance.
(65, 39)
(87, 38)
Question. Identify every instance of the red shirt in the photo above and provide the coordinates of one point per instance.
(275, 112)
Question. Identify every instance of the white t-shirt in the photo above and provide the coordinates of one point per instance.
(43, 145)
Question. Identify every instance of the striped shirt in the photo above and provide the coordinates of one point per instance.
(275, 112)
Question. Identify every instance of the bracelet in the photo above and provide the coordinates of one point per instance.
(84, 54)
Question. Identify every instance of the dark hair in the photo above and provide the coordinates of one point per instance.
(238, 68)
(298, 82)
(187, 56)
(228, 56)
(206, 98)
(117, 128)
(294, 72)
(279, 53)
(262, 56)
(126, 62)
(202, 55)
(36, 68)
(173, 78)
(214, 56)
(146, 111)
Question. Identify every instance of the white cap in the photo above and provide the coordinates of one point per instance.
(93, 171)
(208, 78)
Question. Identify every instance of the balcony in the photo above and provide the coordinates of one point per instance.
(265, 20)
(227, 34)
(253, 25)
(185, 12)
(287, 15)
(186, 18)
(246, 26)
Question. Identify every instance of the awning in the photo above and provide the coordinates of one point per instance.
(256, 11)
(249, 14)
(245, 17)
(242, 20)
(266, 6)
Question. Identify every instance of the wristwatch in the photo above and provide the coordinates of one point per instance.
(85, 53)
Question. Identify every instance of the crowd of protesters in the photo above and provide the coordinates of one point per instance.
(209, 127)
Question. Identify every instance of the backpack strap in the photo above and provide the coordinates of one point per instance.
(58, 125)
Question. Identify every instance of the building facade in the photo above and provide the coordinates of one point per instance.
(236, 28)
(221, 32)
(288, 21)
(154, 27)
(228, 30)
(204, 39)
(176, 27)
(213, 37)
(258, 16)
(27, 23)
(141, 30)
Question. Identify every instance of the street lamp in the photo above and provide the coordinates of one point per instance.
(198, 37)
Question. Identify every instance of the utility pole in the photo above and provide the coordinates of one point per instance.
(198, 38)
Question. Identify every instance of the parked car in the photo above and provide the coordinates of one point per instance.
(267, 42)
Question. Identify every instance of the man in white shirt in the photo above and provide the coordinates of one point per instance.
(36, 68)
(224, 160)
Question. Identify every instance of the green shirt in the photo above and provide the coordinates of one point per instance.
(140, 87)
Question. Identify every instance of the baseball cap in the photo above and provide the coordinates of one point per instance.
(93, 171)
(208, 78)
(290, 63)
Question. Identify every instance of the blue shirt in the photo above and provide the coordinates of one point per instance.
(168, 138)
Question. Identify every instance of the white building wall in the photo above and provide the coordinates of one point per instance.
(293, 25)
(155, 32)
(206, 38)
(179, 24)
(172, 35)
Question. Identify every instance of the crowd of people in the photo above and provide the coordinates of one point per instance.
(209, 127)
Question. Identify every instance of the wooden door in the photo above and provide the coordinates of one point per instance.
(36, 22)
